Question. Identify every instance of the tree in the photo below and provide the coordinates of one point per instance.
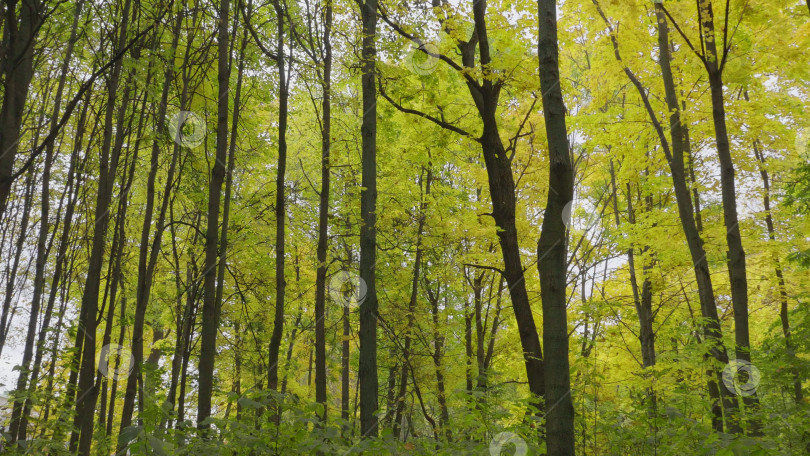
(551, 248)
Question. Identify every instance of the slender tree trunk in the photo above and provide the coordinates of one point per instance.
(74, 186)
(280, 209)
(19, 412)
(345, 384)
(551, 248)
(643, 300)
(468, 351)
(367, 373)
(211, 308)
(344, 370)
(478, 297)
(323, 217)
(114, 386)
(76, 353)
(114, 274)
(183, 313)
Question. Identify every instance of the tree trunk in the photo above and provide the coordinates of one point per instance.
(17, 64)
(367, 373)
(211, 308)
(280, 209)
(323, 216)
(551, 248)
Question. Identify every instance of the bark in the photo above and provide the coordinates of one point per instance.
(114, 387)
(20, 31)
(345, 385)
(551, 248)
(391, 390)
(183, 313)
(367, 373)
(226, 207)
(118, 241)
(78, 342)
(211, 308)
(55, 348)
(481, 378)
(189, 322)
(323, 216)
(344, 370)
(468, 351)
(502, 192)
(280, 210)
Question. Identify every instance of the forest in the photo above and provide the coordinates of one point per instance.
(405, 227)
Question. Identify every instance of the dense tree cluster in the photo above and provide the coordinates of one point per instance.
(336, 227)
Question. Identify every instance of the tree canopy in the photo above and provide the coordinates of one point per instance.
(337, 227)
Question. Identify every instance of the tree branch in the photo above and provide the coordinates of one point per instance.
(423, 115)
